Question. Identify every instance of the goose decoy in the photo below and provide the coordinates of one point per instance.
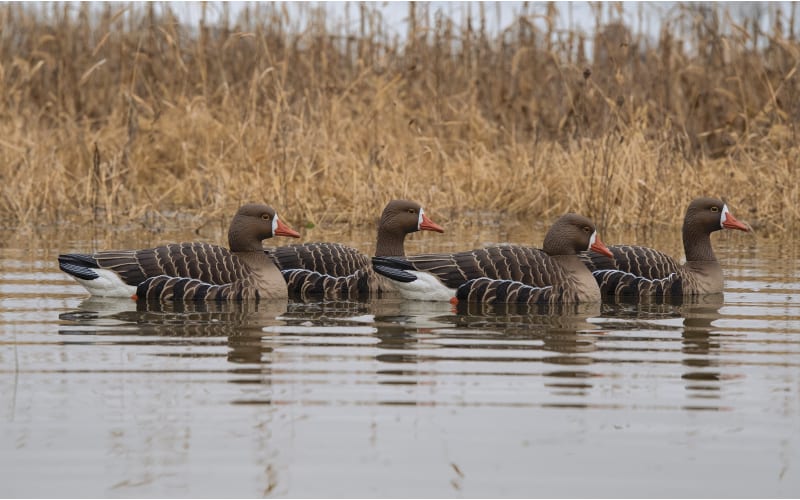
(504, 273)
(336, 271)
(190, 271)
(635, 271)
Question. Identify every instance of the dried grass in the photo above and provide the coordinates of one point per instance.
(328, 125)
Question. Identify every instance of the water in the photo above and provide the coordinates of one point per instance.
(392, 398)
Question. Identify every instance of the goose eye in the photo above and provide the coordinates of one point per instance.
(266, 216)
(715, 209)
(412, 211)
(587, 229)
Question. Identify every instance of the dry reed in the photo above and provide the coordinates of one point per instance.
(127, 114)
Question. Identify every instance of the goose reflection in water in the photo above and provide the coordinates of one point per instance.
(198, 322)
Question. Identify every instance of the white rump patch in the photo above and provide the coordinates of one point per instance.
(426, 287)
(108, 284)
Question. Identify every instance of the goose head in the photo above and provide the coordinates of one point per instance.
(404, 217)
(254, 223)
(572, 234)
(710, 214)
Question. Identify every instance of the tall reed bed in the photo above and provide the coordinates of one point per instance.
(124, 113)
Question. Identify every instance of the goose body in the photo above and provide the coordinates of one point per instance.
(638, 272)
(190, 271)
(337, 271)
(504, 273)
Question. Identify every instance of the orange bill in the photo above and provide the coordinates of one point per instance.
(600, 247)
(732, 223)
(284, 230)
(429, 225)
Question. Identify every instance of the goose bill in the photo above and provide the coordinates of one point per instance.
(597, 245)
(425, 224)
(281, 229)
(728, 221)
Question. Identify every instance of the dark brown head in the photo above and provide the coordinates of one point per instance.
(403, 217)
(254, 223)
(572, 234)
(706, 215)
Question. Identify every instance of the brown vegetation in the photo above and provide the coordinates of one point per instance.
(326, 125)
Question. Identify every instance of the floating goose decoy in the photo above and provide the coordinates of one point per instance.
(504, 273)
(190, 271)
(336, 271)
(635, 271)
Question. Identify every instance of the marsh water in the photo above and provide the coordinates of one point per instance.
(390, 398)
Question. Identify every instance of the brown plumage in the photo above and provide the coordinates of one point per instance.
(336, 271)
(637, 272)
(190, 271)
(504, 273)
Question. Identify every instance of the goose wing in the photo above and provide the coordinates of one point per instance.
(202, 261)
(171, 288)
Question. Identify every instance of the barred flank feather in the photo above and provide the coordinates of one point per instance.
(304, 283)
(170, 288)
(489, 291)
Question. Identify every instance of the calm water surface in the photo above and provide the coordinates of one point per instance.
(391, 398)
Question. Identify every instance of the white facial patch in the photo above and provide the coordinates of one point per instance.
(724, 216)
(419, 220)
(274, 224)
(592, 240)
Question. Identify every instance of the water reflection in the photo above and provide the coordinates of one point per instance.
(702, 375)
(240, 323)
(411, 341)
(694, 318)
